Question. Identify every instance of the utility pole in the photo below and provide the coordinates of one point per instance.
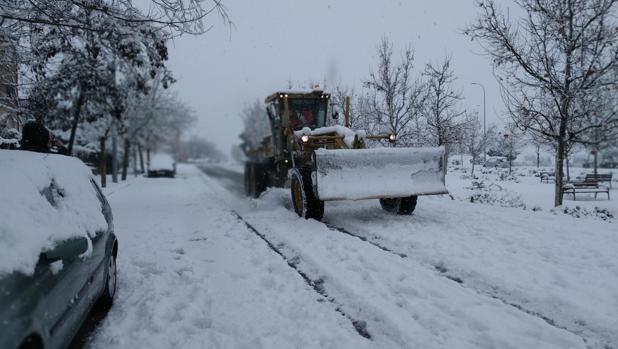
(484, 123)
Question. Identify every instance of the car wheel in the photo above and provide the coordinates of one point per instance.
(107, 297)
(401, 206)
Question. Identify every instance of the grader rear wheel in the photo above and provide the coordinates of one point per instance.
(306, 204)
(255, 179)
(402, 206)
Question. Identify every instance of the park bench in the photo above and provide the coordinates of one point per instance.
(547, 176)
(599, 178)
(585, 187)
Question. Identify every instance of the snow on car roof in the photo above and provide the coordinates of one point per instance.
(44, 198)
(161, 162)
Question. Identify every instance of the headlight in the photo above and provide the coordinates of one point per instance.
(304, 138)
(392, 138)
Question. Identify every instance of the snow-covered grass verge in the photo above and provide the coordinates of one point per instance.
(523, 189)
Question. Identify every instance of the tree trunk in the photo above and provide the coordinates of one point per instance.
(141, 157)
(568, 172)
(560, 164)
(445, 161)
(147, 155)
(125, 158)
(134, 159)
(75, 122)
(114, 156)
(596, 164)
(103, 163)
(538, 156)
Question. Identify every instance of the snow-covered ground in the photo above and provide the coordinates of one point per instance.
(201, 266)
(192, 276)
(524, 188)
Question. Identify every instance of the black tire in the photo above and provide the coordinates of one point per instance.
(247, 180)
(109, 291)
(402, 206)
(261, 179)
(306, 204)
(32, 342)
(255, 179)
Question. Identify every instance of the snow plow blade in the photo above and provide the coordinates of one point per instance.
(356, 174)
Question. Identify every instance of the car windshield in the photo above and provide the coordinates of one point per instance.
(307, 113)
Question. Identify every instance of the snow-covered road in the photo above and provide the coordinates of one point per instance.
(454, 275)
(192, 276)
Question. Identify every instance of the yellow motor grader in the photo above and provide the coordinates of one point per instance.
(320, 163)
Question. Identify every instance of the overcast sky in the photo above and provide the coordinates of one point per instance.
(273, 42)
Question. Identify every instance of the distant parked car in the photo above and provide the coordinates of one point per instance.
(57, 249)
(162, 165)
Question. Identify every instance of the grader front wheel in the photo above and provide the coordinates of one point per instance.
(402, 206)
(306, 204)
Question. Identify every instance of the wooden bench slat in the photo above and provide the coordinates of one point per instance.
(585, 187)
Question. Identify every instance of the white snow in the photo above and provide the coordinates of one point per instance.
(29, 222)
(459, 274)
(379, 172)
(56, 267)
(192, 276)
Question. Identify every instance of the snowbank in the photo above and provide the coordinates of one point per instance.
(44, 198)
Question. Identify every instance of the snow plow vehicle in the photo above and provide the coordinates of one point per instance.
(320, 163)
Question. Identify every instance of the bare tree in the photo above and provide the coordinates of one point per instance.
(601, 110)
(442, 113)
(199, 148)
(550, 63)
(172, 16)
(338, 97)
(473, 140)
(394, 97)
(256, 124)
(509, 141)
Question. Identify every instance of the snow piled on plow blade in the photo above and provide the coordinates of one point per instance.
(356, 174)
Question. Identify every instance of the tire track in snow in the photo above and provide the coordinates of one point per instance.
(444, 272)
(362, 238)
(317, 285)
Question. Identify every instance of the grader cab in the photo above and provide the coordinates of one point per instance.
(320, 163)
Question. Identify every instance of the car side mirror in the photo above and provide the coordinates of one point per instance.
(67, 249)
(335, 115)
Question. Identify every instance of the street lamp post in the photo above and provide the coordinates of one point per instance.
(484, 122)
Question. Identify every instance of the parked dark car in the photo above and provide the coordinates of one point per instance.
(162, 165)
(46, 306)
